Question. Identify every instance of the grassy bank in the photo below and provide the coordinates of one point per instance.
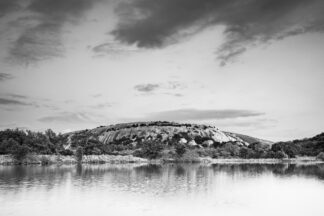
(59, 159)
(113, 159)
(298, 160)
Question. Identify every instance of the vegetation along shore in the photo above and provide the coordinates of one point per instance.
(152, 142)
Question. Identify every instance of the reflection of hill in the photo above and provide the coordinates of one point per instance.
(154, 179)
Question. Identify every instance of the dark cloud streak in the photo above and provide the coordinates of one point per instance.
(43, 40)
(13, 102)
(70, 117)
(18, 96)
(146, 88)
(66, 117)
(7, 6)
(150, 24)
(5, 76)
(112, 49)
(194, 114)
(38, 43)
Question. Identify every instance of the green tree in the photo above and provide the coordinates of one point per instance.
(19, 152)
(150, 149)
(180, 149)
(281, 155)
(320, 156)
(79, 154)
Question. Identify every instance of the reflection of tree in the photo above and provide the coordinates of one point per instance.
(20, 177)
(316, 171)
(155, 179)
(313, 170)
(149, 171)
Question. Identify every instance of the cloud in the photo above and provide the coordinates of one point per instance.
(174, 94)
(5, 76)
(255, 123)
(167, 86)
(8, 6)
(41, 39)
(13, 102)
(151, 24)
(175, 85)
(112, 49)
(96, 95)
(9, 125)
(147, 88)
(36, 44)
(101, 105)
(194, 114)
(18, 100)
(61, 10)
(68, 117)
(18, 96)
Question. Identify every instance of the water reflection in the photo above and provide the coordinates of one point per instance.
(284, 170)
(33, 176)
(134, 188)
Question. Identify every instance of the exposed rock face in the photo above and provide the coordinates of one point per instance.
(190, 134)
(183, 141)
(208, 142)
(192, 143)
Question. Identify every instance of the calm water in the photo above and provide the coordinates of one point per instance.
(162, 190)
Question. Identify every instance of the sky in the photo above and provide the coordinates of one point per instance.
(253, 67)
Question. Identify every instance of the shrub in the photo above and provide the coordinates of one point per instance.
(244, 152)
(168, 154)
(138, 153)
(270, 154)
(190, 156)
(208, 152)
(224, 154)
(291, 153)
(66, 152)
(216, 144)
(281, 155)
(320, 156)
(257, 146)
(79, 154)
(150, 149)
(290, 149)
(4, 147)
(248, 153)
(200, 140)
(45, 160)
(180, 149)
(19, 152)
(232, 148)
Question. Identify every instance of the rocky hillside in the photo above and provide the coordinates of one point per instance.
(165, 132)
(155, 140)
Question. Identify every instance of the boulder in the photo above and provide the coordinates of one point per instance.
(208, 143)
(192, 143)
(183, 141)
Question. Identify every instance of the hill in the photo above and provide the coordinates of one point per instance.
(159, 139)
(139, 138)
(165, 132)
(304, 147)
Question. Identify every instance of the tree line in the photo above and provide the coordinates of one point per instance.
(19, 143)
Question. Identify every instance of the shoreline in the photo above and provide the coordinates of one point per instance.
(129, 159)
(34, 159)
(301, 160)
(60, 159)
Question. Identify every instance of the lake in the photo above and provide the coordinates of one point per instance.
(173, 189)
